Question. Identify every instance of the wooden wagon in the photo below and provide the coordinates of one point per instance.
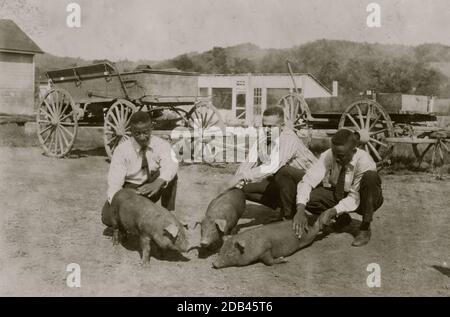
(99, 95)
(382, 121)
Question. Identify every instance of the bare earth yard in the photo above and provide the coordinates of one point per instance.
(50, 217)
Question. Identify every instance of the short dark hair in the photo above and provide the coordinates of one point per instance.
(344, 137)
(274, 111)
(140, 117)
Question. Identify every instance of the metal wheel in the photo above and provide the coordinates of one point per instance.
(296, 111)
(57, 123)
(205, 120)
(373, 124)
(117, 124)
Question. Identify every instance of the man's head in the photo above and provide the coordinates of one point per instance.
(141, 127)
(343, 145)
(273, 117)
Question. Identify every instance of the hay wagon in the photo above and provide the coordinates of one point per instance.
(99, 95)
(382, 121)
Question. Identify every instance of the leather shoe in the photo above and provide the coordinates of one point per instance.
(362, 238)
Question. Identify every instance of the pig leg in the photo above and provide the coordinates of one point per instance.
(116, 236)
(145, 246)
(268, 259)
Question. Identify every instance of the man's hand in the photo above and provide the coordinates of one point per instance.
(300, 221)
(150, 189)
(233, 182)
(326, 217)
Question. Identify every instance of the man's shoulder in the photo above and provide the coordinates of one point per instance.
(124, 146)
(156, 140)
(364, 158)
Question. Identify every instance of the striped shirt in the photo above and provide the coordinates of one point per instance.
(291, 151)
(326, 170)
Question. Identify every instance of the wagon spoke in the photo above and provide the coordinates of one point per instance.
(376, 120)
(369, 110)
(66, 117)
(50, 110)
(71, 124)
(445, 146)
(67, 131)
(360, 115)
(114, 119)
(112, 139)
(66, 142)
(378, 142)
(374, 151)
(109, 124)
(379, 131)
(353, 121)
(45, 129)
(48, 136)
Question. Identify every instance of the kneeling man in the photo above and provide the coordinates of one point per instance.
(144, 162)
(271, 184)
(349, 182)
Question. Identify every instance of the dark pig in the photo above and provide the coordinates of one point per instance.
(222, 216)
(134, 214)
(268, 244)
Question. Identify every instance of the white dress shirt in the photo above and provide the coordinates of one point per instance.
(292, 152)
(126, 163)
(326, 170)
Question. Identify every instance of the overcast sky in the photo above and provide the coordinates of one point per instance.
(159, 29)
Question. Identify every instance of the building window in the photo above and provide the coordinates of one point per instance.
(257, 96)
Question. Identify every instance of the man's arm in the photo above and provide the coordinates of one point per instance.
(116, 174)
(351, 202)
(285, 151)
(168, 163)
(312, 178)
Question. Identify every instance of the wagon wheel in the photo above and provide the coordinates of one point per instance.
(57, 122)
(373, 124)
(204, 118)
(296, 111)
(117, 124)
(440, 149)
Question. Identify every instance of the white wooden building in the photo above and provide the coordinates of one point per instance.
(246, 96)
(17, 70)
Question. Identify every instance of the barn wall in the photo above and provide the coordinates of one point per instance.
(16, 83)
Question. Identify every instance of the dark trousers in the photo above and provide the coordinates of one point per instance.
(277, 190)
(370, 193)
(167, 195)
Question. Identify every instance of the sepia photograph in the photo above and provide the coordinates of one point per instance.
(224, 148)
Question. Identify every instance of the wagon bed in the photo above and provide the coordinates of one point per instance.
(100, 95)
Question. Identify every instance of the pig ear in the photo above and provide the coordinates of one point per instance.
(221, 224)
(240, 245)
(172, 230)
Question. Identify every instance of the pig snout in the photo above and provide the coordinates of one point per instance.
(217, 263)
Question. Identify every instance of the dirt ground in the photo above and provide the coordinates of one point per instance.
(50, 217)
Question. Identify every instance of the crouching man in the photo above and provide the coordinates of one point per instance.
(271, 183)
(145, 163)
(349, 182)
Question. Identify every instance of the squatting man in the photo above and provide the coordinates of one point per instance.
(143, 162)
(343, 180)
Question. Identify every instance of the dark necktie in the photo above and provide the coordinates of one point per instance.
(144, 165)
(339, 191)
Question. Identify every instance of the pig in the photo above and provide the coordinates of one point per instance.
(268, 244)
(221, 217)
(135, 214)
